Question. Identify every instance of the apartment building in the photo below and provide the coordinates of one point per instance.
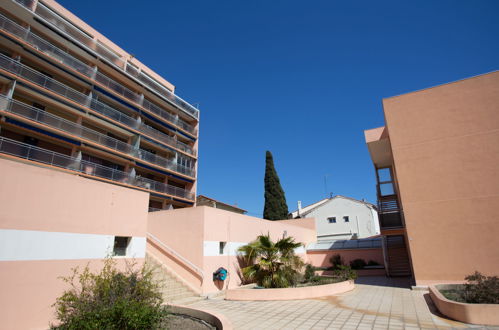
(71, 99)
(437, 171)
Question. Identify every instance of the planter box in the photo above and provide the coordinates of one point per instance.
(486, 314)
(215, 319)
(290, 293)
(367, 271)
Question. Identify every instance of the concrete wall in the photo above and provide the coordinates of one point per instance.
(51, 222)
(363, 220)
(446, 154)
(320, 258)
(196, 233)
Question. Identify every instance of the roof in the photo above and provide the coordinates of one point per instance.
(221, 203)
(307, 209)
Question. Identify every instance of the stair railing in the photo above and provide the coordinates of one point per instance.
(171, 251)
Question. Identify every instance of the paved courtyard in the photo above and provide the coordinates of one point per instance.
(376, 303)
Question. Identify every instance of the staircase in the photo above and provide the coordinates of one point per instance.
(398, 258)
(173, 289)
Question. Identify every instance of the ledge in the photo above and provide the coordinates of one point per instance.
(484, 314)
(290, 293)
(217, 320)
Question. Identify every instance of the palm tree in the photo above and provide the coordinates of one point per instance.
(272, 265)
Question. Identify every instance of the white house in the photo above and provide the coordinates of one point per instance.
(341, 217)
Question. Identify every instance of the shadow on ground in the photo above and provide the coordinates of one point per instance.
(394, 282)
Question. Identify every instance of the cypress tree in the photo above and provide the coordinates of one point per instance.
(275, 202)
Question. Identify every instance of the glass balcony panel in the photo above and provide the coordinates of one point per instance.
(26, 151)
(83, 68)
(27, 73)
(51, 120)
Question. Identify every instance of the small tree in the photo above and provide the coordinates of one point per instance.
(110, 299)
(275, 264)
(275, 202)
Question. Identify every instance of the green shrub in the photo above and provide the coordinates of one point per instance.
(309, 273)
(110, 299)
(336, 261)
(344, 273)
(357, 263)
(372, 263)
(481, 289)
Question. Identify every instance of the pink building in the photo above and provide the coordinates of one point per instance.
(72, 99)
(437, 167)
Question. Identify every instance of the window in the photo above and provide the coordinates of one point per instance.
(221, 247)
(331, 220)
(120, 245)
(346, 218)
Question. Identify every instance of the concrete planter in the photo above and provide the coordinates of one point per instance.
(290, 293)
(217, 320)
(486, 314)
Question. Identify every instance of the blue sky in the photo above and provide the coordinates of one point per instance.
(302, 79)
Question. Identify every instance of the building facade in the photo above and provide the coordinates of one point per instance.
(207, 201)
(437, 168)
(341, 218)
(73, 100)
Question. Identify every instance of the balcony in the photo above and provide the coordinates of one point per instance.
(29, 152)
(85, 40)
(42, 117)
(389, 212)
(84, 100)
(92, 73)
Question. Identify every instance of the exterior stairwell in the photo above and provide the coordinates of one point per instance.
(398, 258)
(174, 290)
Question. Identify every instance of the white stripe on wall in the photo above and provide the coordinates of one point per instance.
(212, 248)
(16, 245)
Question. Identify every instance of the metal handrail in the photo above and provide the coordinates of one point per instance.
(43, 13)
(67, 59)
(40, 155)
(198, 270)
(43, 117)
(57, 87)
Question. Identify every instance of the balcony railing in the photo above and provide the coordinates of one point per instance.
(389, 212)
(67, 59)
(43, 117)
(29, 152)
(53, 85)
(85, 40)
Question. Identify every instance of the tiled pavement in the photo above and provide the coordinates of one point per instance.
(376, 303)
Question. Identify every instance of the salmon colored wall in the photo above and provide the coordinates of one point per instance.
(321, 258)
(181, 230)
(186, 230)
(29, 288)
(220, 225)
(445, 150)
(36, 198)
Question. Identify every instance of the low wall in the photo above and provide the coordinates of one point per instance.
(484, 314)
(290, 293)
(215, 319)
(320, 258)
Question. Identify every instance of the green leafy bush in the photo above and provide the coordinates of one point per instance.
(372, 263)
(358, 263)
(481, 289)
(344, 273)
(309, 273)
(110, 299)
(336, 261)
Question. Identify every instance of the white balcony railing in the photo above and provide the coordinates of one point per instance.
(29, 152)
(57, 87)
(68, 29)
(43, 117)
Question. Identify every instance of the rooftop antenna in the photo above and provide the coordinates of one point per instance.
(325, 184)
